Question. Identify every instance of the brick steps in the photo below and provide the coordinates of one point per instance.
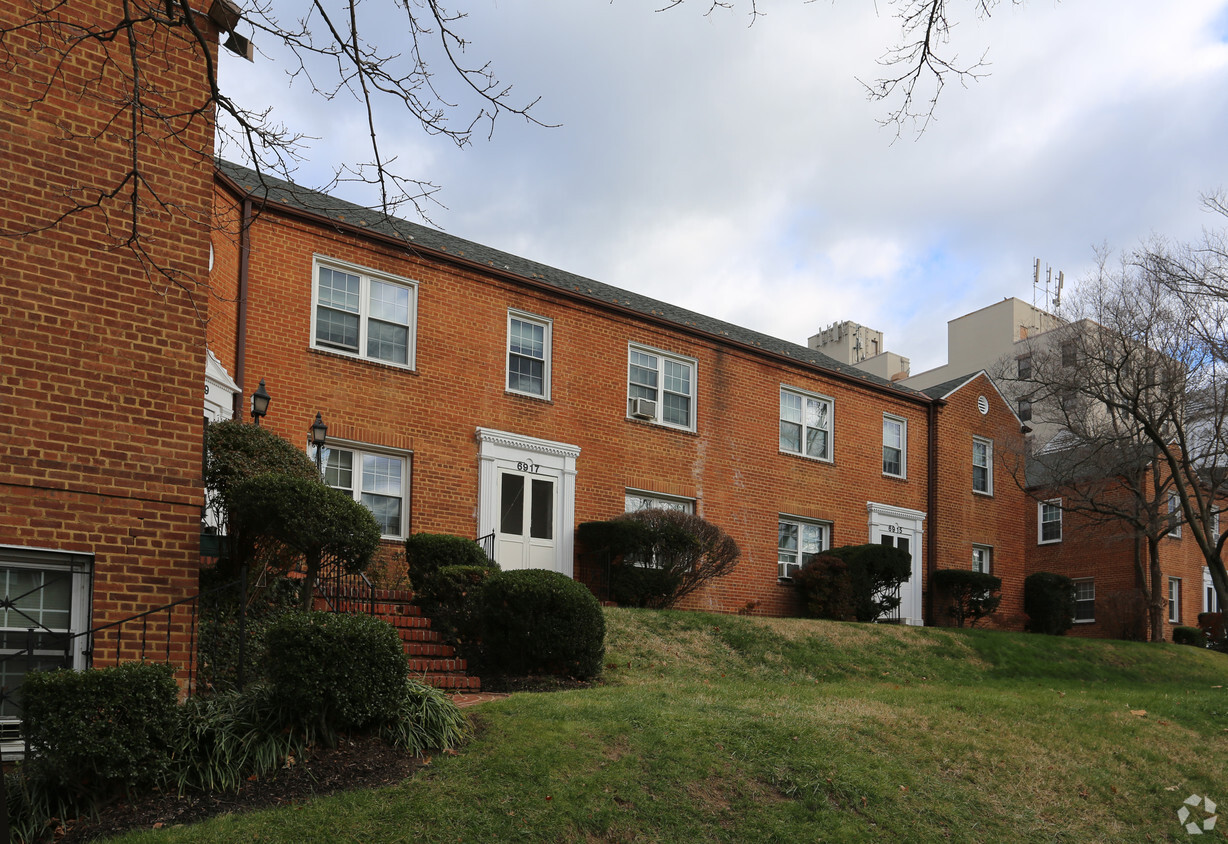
(430, 660)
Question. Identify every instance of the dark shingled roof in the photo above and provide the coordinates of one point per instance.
(938, 391)
(263, 187)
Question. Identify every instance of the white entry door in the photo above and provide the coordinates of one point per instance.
(527, 499)
(525, 536)
(901, 528)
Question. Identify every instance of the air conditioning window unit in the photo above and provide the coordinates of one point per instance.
(644, 408)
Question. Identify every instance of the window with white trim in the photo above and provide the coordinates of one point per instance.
(528, 354)
(637, 500)
(360, 312)
(895, 446)
(798, 541)
(1174, 516)
(1215, 524)
(1084, 600)
(660, 387)
(378, 480)
(982, 559)
(47, 592)
(1174, 600)
(1210, 600)
(982, 465)
(805, 423)
(1049, 521)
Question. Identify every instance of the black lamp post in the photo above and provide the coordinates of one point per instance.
(260, 402)
(319, 434)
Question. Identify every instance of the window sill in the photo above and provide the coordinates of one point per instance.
(1049, 542)
(332, 353)
(825, 460)
(519, 395)
(652, 423)
(1083, 621)
(982, 493)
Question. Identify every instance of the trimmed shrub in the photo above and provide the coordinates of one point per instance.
(427, 553)
(969, 595)
(686, 551)
(541, 622)
(331, 672)
(95, 732)
(1048, 599)
(827, 588)
(876, 572)
(1189, 636)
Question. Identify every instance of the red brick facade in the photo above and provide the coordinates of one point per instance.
(987, 519)
(101, 368)
(731, 466)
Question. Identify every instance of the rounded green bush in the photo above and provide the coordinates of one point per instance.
(427, 553)
(332, 671)
(542, 622)
(1189, 636)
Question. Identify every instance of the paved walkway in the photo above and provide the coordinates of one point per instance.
(463, 699)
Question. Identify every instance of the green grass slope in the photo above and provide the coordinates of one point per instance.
(723, 728)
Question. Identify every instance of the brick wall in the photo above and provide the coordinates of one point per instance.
(965, 518)
(102, 367)
(731, 466)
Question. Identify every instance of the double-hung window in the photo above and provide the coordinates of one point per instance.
(1085, 600)
(805, 424)
(982, 465)
(363, 313)
(1174, 516)
(1025, 367)
(528, 354)
(1049, 518)
(661, 387)
(46, 604)
(378, 480)
(895, 446)
(1025, 410)
(799, 540)
(1174, 600)
(982, 559)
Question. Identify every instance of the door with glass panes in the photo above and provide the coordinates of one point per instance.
(525, 534)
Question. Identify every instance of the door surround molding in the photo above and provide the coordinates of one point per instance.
(553, 459)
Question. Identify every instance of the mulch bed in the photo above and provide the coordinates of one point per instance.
(359, 762)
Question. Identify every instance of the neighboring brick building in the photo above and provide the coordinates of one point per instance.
(467, 379)
(103, 339)
(975, 497)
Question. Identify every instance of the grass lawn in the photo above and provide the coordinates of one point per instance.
(725, 728)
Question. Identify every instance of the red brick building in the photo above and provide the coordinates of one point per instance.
(474, 392)
(103, 325)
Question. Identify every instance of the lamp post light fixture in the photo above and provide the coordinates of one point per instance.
(319, 434)
(260, 402)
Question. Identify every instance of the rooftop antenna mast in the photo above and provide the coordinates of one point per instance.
(1056, 301)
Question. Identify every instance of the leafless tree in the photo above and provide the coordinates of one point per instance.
(1138, 392)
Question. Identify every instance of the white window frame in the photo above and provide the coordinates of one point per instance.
(1056, 505)
(365, 276)
(1210, 600)
(1174, 600)
(547, 326)
(662, 358)
(360, 450)
(891, 419)
(807, 396)
(1084, 593)
(783, 568)
(77, 568)
(635, 500)
(982, 558)
(988, 467)
(1174, 515)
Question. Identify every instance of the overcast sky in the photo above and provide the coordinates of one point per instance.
(740, 171)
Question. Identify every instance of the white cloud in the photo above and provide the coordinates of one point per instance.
(739, 170)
